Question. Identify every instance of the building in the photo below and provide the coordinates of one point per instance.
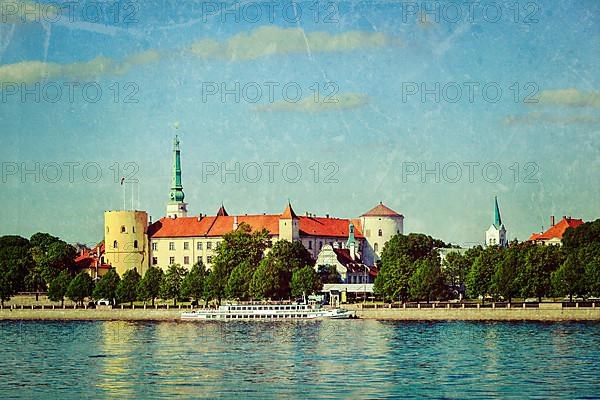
(554, 234)
(496, 234)
(92, 261)
(179, 238)
(126, 240)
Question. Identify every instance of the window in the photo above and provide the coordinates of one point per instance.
(171, 260)
(123, 229)
(310, 245)
(186, 245)
(107, 230)
(171, 245)
(208, 245)
(186, 260)
(154, 260)
(135, 244)
(376, 247)
(320, 245)
(209, 259)
(115, 245)
(380, 233)
(199, 246)
(133, 229)
(154, 246)
(199, 260)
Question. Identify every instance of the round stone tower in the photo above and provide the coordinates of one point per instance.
(126, 240)
(378, 226)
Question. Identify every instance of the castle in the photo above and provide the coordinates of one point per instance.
(130, 241)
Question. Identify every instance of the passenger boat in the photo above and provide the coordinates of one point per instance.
(268, 312)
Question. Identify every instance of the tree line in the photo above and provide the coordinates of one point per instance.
(241, 270)
(410, 269)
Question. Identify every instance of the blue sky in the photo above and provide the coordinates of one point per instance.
(166, 55)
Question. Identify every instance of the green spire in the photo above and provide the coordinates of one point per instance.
(176, 194)
(351, 238)
(497, 218)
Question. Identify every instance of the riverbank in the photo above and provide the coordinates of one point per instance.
(542, 312)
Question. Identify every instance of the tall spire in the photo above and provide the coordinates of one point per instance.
(351, 239)
(176, 194)
(176, 207)
(497, 218)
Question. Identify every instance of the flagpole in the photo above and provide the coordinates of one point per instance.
(123, 186)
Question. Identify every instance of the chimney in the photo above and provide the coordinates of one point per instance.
(552, 220)
(235, 222)
(326, 215)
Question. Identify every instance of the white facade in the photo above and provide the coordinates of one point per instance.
(377, 230)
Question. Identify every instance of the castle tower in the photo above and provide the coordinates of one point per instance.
(379, 225)
(126, 240)
(176, 207)
(496, 234)
(289, 225)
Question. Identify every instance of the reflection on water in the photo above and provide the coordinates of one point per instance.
(299, 359)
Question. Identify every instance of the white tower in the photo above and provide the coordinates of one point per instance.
(379, 225)
(496, 234)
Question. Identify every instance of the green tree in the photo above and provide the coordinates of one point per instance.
(392, 282)
(267, 281)
(193, 283)
(15, 264)
(592, 273)
(479, 278)
(35, 282)
(127, 287)
(171, 284)
(80, 287)
(427, 282)
(57, 289)
(305, 281)
(149, 286)
(238, 284)
(456, 267)
(106, 288)
(505, 281)
(237, 247)
(540, 262)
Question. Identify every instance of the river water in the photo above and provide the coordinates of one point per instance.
(299, 359)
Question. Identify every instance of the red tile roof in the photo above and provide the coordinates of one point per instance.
(558, 230)
(333, 227)
(343, 256)
(289, 213)
(218, 226)
(381, 211)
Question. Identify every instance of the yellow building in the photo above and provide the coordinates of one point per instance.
(126, 240)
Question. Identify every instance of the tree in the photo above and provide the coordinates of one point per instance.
(58, 287)
(127, 287)
(479, 278)
(35, 282)
(267, 280)
(305, 281)
(15, 264)
(456, 268)
(427, 282)
(193, 283)
(392, 282)
(540, 262)
(80, 287)
(237, 247)
(149, 286)
(328, 274)
(60, 256)
(171, 284)
(505, 281)
(238, 284)
(106, 288)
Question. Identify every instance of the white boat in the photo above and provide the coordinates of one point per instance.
(268, 312)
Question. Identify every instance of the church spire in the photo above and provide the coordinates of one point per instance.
(176, 206)
(497, 218)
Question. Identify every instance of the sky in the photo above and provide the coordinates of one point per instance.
(431, 107)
